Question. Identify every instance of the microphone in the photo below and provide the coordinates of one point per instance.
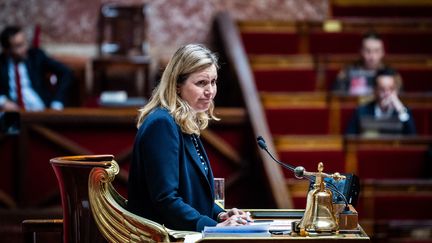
(299, 172)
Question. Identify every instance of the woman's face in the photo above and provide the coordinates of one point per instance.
(199, 89)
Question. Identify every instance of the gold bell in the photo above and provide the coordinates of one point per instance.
(319, 215)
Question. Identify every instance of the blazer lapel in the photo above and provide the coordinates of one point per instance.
(209, 176)
(190, 148)
(206, 158)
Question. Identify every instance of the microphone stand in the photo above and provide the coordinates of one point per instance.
(299, 172)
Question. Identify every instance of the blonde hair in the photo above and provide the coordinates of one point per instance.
(185, 61)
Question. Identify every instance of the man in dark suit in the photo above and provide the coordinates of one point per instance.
(386, 113)
(24, 72)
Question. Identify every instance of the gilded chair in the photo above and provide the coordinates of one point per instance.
(93, 211)
(72, 174)
(77, 225)
(109, 211)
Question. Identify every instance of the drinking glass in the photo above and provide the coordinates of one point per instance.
(219, 190)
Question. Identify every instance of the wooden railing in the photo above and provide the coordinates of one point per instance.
(237, 58)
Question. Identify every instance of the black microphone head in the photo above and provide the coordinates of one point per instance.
(299, 172)
(262, 144)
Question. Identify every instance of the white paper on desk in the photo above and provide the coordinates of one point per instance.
(278, 224)
(192, 238)
(237, 230)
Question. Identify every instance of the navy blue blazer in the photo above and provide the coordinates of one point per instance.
(167, 182)
(408, 127)
(38, 66)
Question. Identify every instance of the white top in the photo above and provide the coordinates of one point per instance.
(32, 101)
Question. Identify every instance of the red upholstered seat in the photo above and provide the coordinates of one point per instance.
(298, 120)
(408, 42)
(286, 80)
(423, 119)
(417, 79)
(407, 206)
(330, 75)
(349, 42)
(397, 207)
(391, 162)
(270, 43)
(334, 159)
(334, 43)
(73, 177)
(396, 199)
(346, 113)
(377, 11)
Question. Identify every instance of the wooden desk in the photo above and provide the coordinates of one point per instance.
(359, 237)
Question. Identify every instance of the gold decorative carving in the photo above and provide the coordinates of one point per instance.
(113, 220)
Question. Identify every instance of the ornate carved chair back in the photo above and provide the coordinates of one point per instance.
(111, 216)
(72, 173)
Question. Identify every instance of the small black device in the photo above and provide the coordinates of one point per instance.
(344, 191)
(349, 187)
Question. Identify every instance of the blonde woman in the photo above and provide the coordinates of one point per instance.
(170, 179)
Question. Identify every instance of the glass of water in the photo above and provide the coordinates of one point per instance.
(219, 190)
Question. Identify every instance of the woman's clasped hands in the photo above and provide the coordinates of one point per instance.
(234, 217)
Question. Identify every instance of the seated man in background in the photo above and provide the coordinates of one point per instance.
(385, 114)
(23, 73)
(357, 78)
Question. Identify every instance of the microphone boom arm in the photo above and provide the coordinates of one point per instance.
(300, 172)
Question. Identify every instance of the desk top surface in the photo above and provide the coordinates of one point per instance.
(291, 215)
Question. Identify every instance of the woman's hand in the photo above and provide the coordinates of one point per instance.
(234, 216)
(233, 221)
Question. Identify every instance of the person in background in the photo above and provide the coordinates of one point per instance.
(23, 73)
(386, 106)
(170, 179)
(357, 78)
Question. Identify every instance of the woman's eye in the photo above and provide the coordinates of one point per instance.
(214, 82)
(201, 83)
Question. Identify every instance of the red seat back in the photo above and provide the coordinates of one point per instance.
(307, 120)
(423, 119)
(286, 80)
(334, 160)
(391, 162)
(416, 79)
(73, 175)
(270, 43)
(334, 43)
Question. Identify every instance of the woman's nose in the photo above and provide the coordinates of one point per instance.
(209, 91)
